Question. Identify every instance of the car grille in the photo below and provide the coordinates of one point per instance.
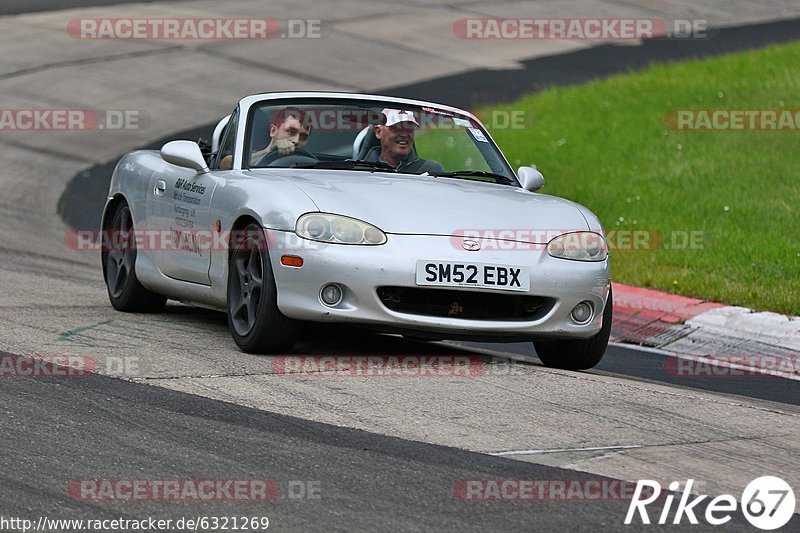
(472, 305)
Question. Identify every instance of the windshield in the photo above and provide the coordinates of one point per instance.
(372, 136)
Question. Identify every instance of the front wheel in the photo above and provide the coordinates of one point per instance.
(577, 354)
(256, 323)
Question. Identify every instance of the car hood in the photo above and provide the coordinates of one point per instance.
(424, 205)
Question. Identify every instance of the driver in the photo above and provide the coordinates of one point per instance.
(288, 131)
(396, 135)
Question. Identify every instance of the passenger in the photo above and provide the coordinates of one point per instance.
(396, 137)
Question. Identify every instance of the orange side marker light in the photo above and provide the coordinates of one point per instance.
(292, 261)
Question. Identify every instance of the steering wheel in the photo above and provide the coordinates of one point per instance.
(297, 157)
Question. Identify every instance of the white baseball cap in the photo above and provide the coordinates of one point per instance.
(396, 116)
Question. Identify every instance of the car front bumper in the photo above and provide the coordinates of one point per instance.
(361, 270)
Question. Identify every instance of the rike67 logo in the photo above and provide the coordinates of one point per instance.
(767, 502)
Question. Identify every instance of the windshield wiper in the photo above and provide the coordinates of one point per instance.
(348, 164)
(500, 178)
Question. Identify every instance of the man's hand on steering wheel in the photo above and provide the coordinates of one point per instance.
(284, 147)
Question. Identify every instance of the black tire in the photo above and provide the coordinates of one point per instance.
(579, 354)
(119, 267)
(256, 323)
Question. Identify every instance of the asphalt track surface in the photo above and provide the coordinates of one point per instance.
(631, 362)
(96, 427)
(59, 431)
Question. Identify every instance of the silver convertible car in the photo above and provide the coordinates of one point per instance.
(398, 215)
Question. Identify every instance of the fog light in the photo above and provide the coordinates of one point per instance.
(582, 312)
(331, 294)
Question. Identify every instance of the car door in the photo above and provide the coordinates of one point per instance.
(179, 214)
(178, 211)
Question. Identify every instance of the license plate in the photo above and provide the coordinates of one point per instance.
(480, 275)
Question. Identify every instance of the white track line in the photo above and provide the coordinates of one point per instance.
(562, 450)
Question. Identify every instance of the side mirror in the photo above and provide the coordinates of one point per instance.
(531, 179)
(185, 154)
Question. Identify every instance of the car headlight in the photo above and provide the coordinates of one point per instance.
(338, 229)
(579, 246)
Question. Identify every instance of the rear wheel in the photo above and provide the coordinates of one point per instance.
(577, 354)
(119, 267)
(256, 323)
